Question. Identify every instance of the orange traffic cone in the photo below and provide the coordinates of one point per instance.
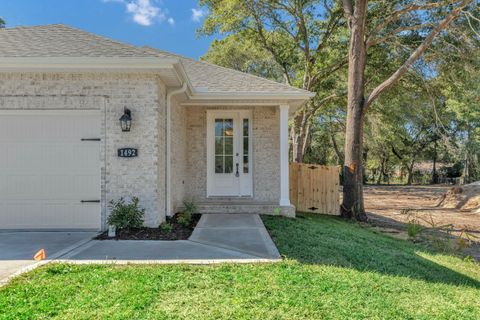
(40, 255)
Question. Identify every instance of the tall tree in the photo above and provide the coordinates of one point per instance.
(306, 38)
(426, 20)
(2, 23)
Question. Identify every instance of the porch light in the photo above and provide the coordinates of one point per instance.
(126, 120)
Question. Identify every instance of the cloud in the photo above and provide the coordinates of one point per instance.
(197, 14)
(144, 12)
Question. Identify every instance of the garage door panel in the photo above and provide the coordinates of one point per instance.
(46, 170)
(50, 215)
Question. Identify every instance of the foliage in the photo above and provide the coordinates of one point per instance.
(167, 227)
(185, 218)
(431, 113)
(125, 215)
(325, 258)
(2, 23)
(414, 228)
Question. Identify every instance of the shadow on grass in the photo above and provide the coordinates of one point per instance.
(317, 239)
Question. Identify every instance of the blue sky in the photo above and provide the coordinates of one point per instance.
(166, 24)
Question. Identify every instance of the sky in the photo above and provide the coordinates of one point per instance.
(166, 24)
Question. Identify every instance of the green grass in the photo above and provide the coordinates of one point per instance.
(332, 270)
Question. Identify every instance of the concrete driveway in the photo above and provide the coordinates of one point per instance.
(18, 248)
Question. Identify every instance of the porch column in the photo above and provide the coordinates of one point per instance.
(284, 188)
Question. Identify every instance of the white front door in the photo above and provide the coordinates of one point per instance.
(229, 153)
(50, 169)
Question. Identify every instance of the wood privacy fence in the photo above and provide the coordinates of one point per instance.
(315, 188)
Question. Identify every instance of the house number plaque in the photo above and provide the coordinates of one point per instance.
(127, 152)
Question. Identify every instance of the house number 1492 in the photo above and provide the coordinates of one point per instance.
(127, 152)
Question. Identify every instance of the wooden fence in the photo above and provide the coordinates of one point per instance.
(315, 188)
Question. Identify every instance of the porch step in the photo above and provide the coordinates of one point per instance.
(237, 206)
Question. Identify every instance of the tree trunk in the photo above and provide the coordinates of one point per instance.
(434, 171)
(382, 170)
(353, 206)
(337, 151)
(410, 172)
(300, 136)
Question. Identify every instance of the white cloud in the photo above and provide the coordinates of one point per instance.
(197, 14)
(145, 12)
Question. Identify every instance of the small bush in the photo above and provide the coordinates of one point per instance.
(414, 228)
(125, 216)
(190, 207)
(167, 227)
(185, 218)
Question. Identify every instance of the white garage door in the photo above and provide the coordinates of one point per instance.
(49, 170)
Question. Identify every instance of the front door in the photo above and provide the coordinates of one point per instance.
(229, 153)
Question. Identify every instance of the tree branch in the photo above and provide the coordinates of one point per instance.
(374, 42)
(415, 54)
(413, 7)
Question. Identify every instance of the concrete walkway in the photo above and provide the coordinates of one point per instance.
(17, 248)
(239, 232)
(217, 238)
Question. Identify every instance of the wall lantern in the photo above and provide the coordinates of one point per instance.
(126, 120)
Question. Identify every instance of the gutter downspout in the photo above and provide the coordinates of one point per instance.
(168, 153)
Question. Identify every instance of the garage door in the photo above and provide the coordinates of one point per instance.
(49, 170)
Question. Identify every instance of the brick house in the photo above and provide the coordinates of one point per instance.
(198, 132)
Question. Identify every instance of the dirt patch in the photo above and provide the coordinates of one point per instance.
(466, 198)
(178, 231)
(389, 207)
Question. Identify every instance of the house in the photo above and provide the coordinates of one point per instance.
(197, 132)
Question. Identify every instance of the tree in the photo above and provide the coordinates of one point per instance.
(306, 39)
(2, 23)
(399, 19)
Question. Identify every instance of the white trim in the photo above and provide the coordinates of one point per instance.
(284, 187)
(86, 63)
(238, 127)
(86, 112)
(168, 152)
(251, 95)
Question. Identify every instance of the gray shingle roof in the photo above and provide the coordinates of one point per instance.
(213, 78)
(58, 40)
(63, 41)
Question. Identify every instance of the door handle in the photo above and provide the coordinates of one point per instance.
(90, 201)
(237, 174)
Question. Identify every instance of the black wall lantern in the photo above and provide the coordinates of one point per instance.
(126, 120)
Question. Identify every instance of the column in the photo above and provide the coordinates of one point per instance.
(284, 188)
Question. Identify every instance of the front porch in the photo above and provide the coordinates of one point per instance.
(248, 169)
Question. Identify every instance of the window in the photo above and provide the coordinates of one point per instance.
(223, 145)
(245, 139)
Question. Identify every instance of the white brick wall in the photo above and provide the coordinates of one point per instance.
(266, 148)
(142, 93)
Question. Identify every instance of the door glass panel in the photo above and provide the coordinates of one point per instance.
(218, 127)
(228, 164)
(223, 145)
(228, 146)
(218, 164)
(218, 145)
(245, 140)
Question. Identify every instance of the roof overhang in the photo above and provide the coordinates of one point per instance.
(170, 69)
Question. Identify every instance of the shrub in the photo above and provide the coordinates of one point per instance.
(126, 215)
(167, 227)
(414, 228)
(186, 217)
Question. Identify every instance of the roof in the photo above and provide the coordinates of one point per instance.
(60, 41)
(212, 78)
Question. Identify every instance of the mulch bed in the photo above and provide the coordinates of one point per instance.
(178, 232)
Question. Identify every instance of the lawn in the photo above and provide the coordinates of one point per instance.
(332, 270)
